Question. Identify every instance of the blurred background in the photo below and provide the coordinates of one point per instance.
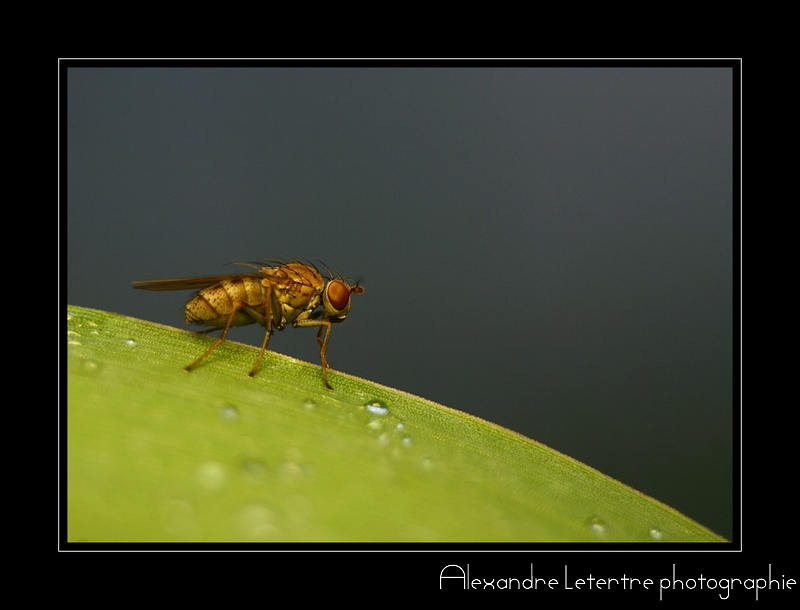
(549, 249)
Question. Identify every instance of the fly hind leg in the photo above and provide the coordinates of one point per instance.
(218, 341)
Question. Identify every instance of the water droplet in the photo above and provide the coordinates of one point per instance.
(383, 439)
(399, 426)
(90, 366)
(254, 468)
(290, 473)
(257, 523)
(597, 526)
(131, 343)
(229, 413)
(211, 475)
(376, 407)
(407, 442)
(93, 328)
(309, 405)
(428, 465)
(375, 425)
(656, 534)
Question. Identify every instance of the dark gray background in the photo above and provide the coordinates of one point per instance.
(549, 249)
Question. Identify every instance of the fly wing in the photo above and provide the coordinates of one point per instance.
(190, 283)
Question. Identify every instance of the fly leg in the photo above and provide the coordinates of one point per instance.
(323, 349)
(323, 344)
(265, 321)
(218, 341)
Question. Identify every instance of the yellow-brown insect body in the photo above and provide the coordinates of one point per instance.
(212, 306)
(275, 296)
(297, 291)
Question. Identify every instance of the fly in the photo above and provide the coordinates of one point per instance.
(274, 297)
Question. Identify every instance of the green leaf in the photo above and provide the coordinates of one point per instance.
(158, 454)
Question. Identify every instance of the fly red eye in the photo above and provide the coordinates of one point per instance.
(338, 294)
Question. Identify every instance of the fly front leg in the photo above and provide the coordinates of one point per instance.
(323, 344)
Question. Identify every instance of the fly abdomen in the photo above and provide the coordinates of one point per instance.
(212, 306)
